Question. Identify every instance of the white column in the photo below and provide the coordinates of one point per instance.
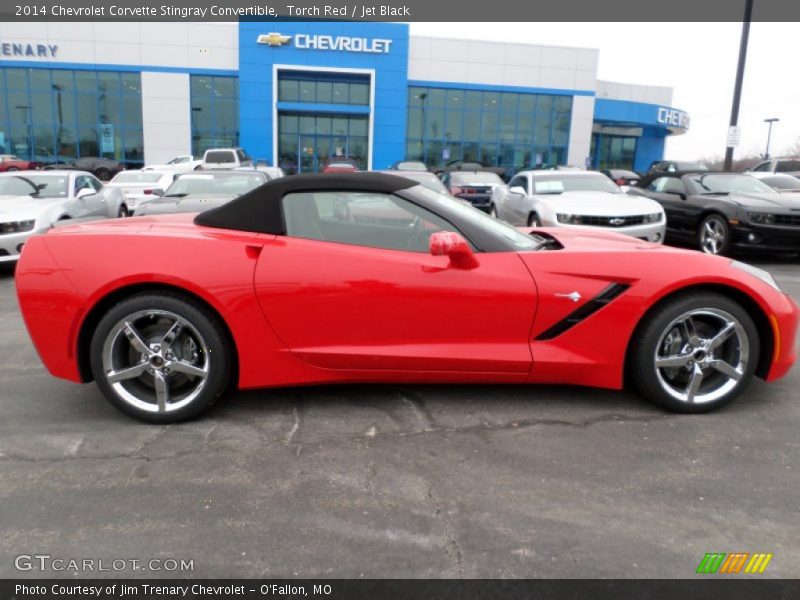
(166, 116)
(580, 135)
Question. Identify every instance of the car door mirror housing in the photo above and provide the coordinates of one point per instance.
(84, 192)
(517, 190)
(451, 244)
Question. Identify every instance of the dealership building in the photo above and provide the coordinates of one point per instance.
(300, 93)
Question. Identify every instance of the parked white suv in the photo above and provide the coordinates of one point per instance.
(226, 158)
(786, 164)
(576, 199)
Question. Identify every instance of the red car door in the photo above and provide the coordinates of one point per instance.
(366, 307)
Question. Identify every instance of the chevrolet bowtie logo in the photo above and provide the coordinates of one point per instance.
(273, 39)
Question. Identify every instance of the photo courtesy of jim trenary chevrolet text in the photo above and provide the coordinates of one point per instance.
(399, 299)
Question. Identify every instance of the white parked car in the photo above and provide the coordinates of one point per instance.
(137, 186)
(32, 201)
(185, 163)
(577, 199)
(789, 165)
(226, 158)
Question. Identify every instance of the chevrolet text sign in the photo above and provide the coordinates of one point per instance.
(305, 41)
(673, 117)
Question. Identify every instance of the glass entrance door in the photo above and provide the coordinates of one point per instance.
(306, 142)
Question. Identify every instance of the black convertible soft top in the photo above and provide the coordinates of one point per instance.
(260, 210)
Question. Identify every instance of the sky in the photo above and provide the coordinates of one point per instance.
(698, 60)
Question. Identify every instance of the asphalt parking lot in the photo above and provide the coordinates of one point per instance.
(397, 481)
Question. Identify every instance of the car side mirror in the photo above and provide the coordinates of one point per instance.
(518, 190)
(84, 192)
(157, 192)
(450, 243)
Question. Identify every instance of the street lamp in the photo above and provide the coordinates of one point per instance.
(771, 120)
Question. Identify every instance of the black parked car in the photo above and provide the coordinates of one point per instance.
(674, 166)
(102, 168)
(721, 212)
(475, 187)
(466, 165)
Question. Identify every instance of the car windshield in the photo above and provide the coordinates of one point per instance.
(49, 186)
(558, 184)
(429, 180)
(220, 156)
(782, 182)
(727, 183)
(519, 240)
(475, 178)
(691, 166)
(137, 177)
(179, 159)
(233, 185)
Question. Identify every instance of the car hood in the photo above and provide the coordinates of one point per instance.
(765, 200)
(22, 208)
(599, 204)
(192, 203)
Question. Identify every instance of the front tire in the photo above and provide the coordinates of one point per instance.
(694, 353)
(714, 235)
(160, 357)
(123, 212)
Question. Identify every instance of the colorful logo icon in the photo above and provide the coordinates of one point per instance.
(733, 563)
(273, 39)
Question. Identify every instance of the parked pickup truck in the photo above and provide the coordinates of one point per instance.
(225, 158)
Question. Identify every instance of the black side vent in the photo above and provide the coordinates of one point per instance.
(584, 311)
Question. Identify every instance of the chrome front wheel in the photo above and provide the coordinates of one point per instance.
(702, 355)
(694, 352)
(714, 235)
(160, 358)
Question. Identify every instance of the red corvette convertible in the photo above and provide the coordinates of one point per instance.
(318, 279)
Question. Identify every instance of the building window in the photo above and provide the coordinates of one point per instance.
(506, 129)
(323, 88)
(613, 151)
(54, 115)
(215, 112)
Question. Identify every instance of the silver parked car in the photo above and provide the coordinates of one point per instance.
(577, 199)
(32, 201)
(202, 190)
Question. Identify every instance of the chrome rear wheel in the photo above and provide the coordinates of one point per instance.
(160, 358)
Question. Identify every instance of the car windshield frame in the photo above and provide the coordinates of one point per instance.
(604, 183)
(181, 186)
(521, 242)
(34, 181)
(707, 184)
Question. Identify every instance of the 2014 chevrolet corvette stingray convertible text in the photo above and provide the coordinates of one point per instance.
(373, 278)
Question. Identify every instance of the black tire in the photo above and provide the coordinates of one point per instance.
(123, 212)
(102, 174)
(493, 211)
(710, 228)
(652, 338)
(136, 396)
(533, 220)
(9, 169)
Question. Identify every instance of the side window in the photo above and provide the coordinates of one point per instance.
(519, 181)
(81, 182)
(787, 166)
(764, 166)
(95, 183)
(361, 219)
(673, 185)
(657, 185)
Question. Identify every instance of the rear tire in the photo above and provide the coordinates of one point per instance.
(160, 357)
(123, 212)
(694, 353)
(493, 211)
(103, 174)
(533, 220)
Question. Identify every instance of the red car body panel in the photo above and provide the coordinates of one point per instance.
(19, 165)
(304, 311)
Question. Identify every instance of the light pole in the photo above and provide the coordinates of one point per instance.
(737, 89)
(771, 120)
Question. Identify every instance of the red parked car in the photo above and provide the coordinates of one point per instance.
(340, 165)
(9, 162)
(281, 287)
